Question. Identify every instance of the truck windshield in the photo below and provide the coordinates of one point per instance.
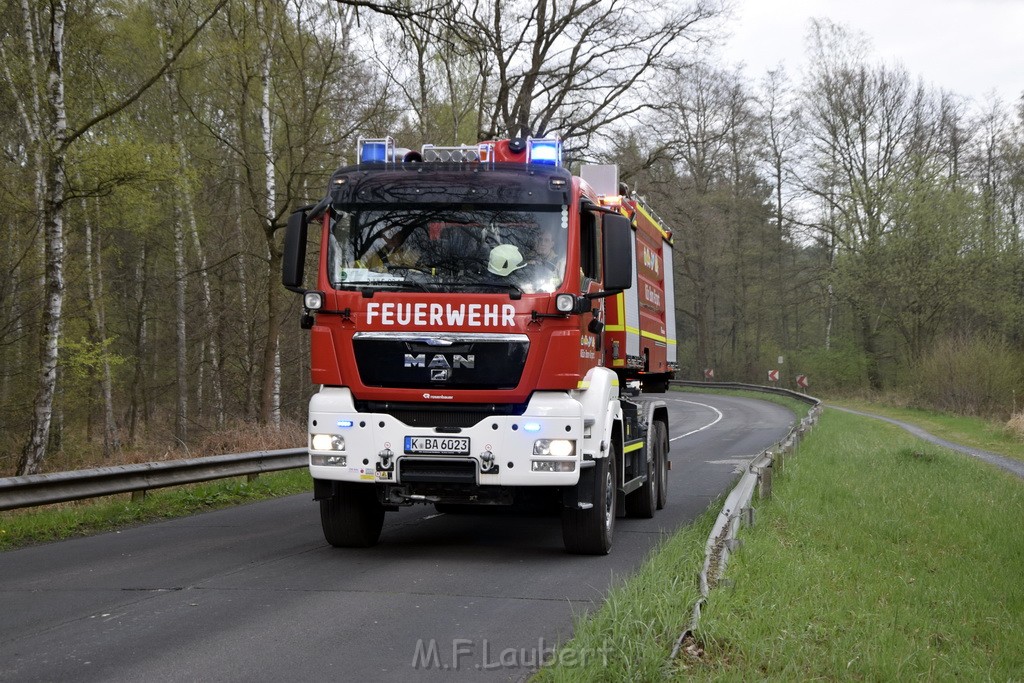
(449, 248)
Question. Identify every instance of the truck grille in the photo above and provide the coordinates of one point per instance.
(438, 362)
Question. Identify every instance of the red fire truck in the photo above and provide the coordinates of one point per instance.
(479, 319)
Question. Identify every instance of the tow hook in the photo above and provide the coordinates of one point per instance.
(487, 465)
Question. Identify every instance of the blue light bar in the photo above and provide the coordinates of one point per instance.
(546, 151)
(376, 150)
(344, 424)
(532, 426)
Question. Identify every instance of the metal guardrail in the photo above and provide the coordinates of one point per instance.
(59, 487)
(748, 387)
(736, 509)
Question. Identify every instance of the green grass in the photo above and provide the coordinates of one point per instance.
(39, 525)
(629, 638)
(968, 431)
(880, 557)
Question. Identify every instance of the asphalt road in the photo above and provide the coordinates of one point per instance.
(254, 592)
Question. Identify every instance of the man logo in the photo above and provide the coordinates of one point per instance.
(439, 365)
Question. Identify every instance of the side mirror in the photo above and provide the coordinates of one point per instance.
(618, 253)
(294, 259)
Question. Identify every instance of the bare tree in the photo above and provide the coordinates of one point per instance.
(547, 67)
(862, 126)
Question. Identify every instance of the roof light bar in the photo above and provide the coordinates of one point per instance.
(376, 150)
(458, 153)
(546, 151)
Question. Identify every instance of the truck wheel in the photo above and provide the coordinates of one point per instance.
(655, 386)
(641, 502)
(353, 518)
(659, 436)
(589, 532)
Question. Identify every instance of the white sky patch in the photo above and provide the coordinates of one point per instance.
(973, 48)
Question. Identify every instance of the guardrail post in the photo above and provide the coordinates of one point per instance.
(764, 481)
(252, 477)
(139, 496)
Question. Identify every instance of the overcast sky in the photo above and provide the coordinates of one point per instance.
(970, 47)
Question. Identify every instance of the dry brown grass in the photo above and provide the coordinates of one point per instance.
(1015, 425)
(157, 444)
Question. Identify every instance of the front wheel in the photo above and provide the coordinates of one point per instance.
(589, 532)
(352, 518)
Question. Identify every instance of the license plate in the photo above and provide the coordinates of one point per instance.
(449, 445)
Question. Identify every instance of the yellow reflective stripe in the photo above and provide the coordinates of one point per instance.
(620, 306)
(651, 218)
(583, 384)
(633, 447)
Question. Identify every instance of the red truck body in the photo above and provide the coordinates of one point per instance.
(475, 316)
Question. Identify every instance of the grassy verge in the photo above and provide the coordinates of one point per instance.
(880, 557)
(51, 523)
(630, 637)
(968, 431)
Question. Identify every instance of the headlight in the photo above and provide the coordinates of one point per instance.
(558, 447)
(328, 442)
(313, 301)
(565, 303)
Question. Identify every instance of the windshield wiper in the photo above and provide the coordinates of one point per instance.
(513, 290)
(368, 286)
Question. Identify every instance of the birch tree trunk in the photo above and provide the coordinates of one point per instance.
(187, 208)
(34, 451)
(180, 332)
(139, 402)
(270, 403)
(94, 293)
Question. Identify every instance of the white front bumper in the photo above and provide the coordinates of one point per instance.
(370, 436)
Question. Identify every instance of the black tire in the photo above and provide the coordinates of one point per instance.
(655, 386)
(659, 439)
(641, 503)
(589, 532)
(353, 518)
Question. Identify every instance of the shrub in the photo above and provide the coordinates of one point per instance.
(842, 367)
(1016, 425)
(968, 376)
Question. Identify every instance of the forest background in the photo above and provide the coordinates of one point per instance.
(861, 226)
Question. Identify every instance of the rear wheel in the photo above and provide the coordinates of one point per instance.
(641, 503)
(659, 440)
(658, 385)
(353, 518)
(589, 532)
